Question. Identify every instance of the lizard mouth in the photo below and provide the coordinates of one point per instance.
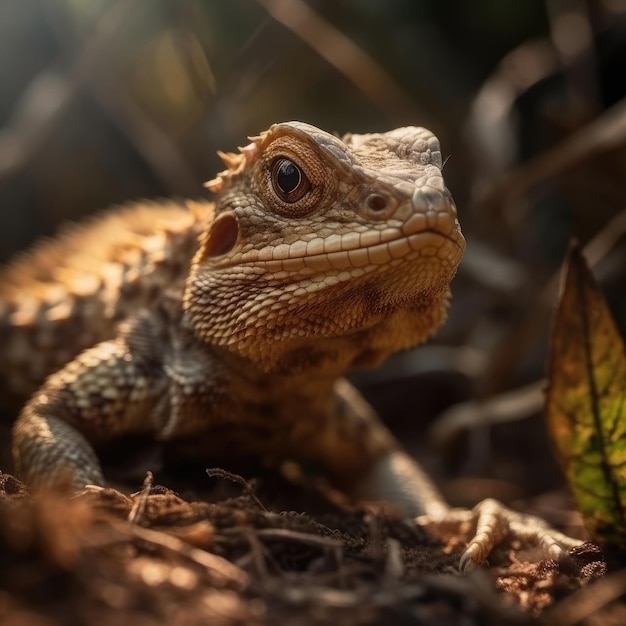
(434, 237)
(358, 261)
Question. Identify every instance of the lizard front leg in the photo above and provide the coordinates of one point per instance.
(396, 477)
(107, 391)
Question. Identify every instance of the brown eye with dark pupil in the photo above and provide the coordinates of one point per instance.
(289, 182)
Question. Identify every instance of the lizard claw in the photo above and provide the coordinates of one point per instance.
(93, 488)
(491, 523)
(469, 559)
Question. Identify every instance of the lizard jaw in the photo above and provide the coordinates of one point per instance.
(332, 266)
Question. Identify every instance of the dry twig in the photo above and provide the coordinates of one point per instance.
(345, 56)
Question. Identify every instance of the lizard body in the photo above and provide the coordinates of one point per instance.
(69, 293)
(231, 324)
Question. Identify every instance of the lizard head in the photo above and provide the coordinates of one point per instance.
(325, 252)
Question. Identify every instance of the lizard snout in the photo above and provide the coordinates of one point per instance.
(428, 200)
(435, 210)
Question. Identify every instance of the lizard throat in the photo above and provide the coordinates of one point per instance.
(336, 296)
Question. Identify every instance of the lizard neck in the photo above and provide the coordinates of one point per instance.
(316, 382)
(306, 417)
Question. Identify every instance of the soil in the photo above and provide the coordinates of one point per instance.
(234, 554)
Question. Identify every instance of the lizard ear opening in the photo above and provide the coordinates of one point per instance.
(222, 236)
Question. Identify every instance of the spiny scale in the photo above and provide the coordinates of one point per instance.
(69, 293)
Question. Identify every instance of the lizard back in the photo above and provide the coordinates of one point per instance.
(69, 293)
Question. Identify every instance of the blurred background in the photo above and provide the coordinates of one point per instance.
(109, 101)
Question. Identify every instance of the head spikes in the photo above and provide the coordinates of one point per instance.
(249, 151)
(235, 164)
(230, 159)
(215, 184)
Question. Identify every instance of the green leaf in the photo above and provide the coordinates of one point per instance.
(586, 402)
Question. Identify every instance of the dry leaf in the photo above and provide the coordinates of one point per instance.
(586, 402)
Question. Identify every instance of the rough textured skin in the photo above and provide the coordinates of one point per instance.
(230, 325)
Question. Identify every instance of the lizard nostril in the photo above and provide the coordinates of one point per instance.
(376, 203)
(223, 236)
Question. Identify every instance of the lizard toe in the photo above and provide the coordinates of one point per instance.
(490, 524)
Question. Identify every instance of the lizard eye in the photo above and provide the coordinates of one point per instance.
(289, 181)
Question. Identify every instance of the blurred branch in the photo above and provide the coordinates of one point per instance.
(491, 126)
(345, 56)
(494, 271)
(49, 95)
(598, 248)
(606, 132)
(520, 403)
(586, 602)
(572, 37)
(148, 139)
(506, 407)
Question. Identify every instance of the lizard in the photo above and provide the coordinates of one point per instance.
(228, 325)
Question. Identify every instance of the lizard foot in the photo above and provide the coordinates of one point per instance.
(491, 523)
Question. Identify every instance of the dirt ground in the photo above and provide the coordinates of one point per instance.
(104, 558)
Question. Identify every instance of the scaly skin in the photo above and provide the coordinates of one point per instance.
(230, 326)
